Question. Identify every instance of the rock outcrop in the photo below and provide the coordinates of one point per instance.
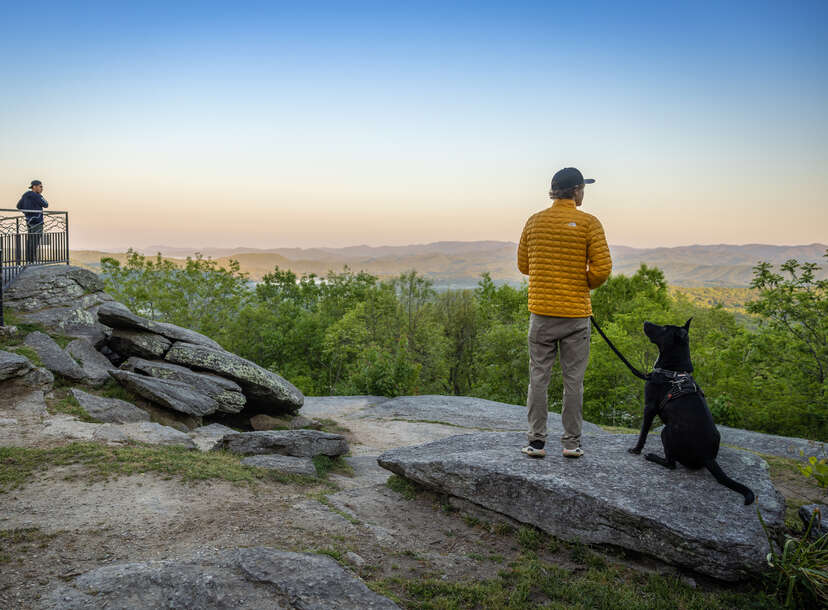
(227, 394)
(297, 443)
(608, 497)
(174, 395)
(264, 389)
(63, 299)
(118, 315)
(257, 578)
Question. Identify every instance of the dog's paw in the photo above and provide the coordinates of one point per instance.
(652, 457)
(634, 450)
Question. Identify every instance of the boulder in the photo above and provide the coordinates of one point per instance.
(264, 389)
(118, 315)
(298, 443)
(257, 578)
(268, 422)
(13, 365)
(467, 412)
(171, 394)
(206, 437)
(53, 357)
(62, 298)
(226, 393)
(94, 364)
(608, 496)
(109, 410)
(283, 463)
(820, 526)
(138, 343)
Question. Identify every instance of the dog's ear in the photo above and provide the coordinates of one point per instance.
(687, 324)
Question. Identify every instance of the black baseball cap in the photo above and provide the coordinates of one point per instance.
(568, 178)
(35, 183)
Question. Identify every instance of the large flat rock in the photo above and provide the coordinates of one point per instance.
(609, 497)
(264, 389)
(258, 578)
(466, 412)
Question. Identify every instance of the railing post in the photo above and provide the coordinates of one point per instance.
(17, 241)
(2, 281)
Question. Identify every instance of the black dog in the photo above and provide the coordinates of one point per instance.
(689, 435)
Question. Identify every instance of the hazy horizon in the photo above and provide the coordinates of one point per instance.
(308, 125)
(123, 248)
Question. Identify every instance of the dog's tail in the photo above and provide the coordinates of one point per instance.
(725, 480)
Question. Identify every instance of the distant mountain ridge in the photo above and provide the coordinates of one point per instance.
(459, 264)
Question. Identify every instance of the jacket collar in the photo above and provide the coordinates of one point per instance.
(564, 203)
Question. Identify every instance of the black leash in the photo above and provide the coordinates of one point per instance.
(635, 371)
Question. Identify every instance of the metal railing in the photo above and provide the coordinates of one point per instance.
(20, 247)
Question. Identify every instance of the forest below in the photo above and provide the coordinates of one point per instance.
(349, 333)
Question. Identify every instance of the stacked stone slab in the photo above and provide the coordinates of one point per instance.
(185, 371)
(288, 451)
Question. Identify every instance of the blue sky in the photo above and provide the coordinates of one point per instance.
(270, 124)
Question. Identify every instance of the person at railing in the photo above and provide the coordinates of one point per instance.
(32, 204)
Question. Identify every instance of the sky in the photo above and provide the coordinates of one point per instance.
(270, 124)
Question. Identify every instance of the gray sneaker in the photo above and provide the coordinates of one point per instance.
(535, 449)
(573, 453)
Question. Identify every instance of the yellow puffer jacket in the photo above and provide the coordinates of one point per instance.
(564, 252)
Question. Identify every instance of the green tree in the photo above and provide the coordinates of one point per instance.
(200, 294)
(794, 315)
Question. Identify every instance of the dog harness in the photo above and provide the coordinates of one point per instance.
(682, 384)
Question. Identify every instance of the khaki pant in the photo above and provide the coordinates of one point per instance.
(547, 335)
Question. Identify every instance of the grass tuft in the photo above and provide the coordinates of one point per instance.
(407, 489)
(69, 405)
(336, 465)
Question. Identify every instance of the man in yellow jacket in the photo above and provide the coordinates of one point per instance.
(565, 254)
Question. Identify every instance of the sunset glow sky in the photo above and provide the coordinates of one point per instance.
(307, 124)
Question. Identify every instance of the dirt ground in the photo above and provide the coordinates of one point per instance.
(61, 523)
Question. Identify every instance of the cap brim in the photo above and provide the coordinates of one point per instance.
(589, 180)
